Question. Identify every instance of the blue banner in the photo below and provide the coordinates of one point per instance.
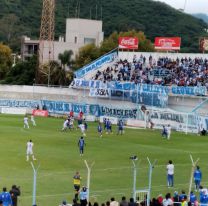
(59, 107)
(96, 64)
(128, 86)
(150, 99)
(19, 103)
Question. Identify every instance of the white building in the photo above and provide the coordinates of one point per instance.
(79, 32)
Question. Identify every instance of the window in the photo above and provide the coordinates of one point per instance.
(75, 39)
(89, 41)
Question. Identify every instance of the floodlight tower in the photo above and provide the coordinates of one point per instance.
(46, 40)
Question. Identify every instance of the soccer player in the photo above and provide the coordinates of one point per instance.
(71, 123)
(5, 197)
(65, 125)
(30, 150)
(32, 118)
(100, 129)
(105, 123)
(168, 131)
(170, 173)
(81, 145)
(26, 125)
(197, 177)
(120, 127)
(77, 182)
(82, 128)
(108, 127)
(86, 125)
(164, 132)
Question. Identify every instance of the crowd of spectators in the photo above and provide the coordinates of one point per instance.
(178, 199)
(180, 71)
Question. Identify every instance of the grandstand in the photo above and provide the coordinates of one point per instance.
(136, 79)
(139, 88)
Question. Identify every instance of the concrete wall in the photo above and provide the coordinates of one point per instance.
(156, 55)
(177, 103)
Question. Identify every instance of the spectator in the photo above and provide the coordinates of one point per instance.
(203, 132)
(114, 202)
(176, 199)
(131, 202)
(193, 198)
(75, 203)
(197, 177)
(167, 201)
(6, 197)
(83, 196)
(14, 192)
(170, 173)
(123, 202)
(182, 196)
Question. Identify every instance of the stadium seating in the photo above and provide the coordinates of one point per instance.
(162, 71)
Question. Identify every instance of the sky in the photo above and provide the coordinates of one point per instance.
(192, 6)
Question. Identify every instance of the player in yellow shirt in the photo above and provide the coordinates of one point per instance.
(77, 182)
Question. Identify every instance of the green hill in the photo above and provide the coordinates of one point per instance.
(22, 17)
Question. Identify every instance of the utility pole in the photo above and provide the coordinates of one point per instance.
(88, 178)
(34, 183)
(151, 166)
(192, 173)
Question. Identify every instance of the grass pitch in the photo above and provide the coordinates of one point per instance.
(58, 156)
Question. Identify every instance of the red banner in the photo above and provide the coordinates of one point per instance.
(128, 42)
(39, 112)
(167, 43)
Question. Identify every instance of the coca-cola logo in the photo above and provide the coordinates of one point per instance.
(42, 113)
(128, 42)
(166, 42)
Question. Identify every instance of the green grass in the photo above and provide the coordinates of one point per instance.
(58, 155)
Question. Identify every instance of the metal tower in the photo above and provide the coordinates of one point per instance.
(46, 40)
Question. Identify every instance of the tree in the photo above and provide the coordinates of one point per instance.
(5, 60)
(53, 74)
(23, 73)
(66, 59)
(86, 55)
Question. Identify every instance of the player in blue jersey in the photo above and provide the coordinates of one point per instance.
(100, 129)
(5, 197)
(81, 145)
(197, 177)
(105, 123)
(120, 127)
(108, 127)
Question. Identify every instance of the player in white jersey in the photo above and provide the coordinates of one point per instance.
(65, 125)
(168, 131)
(82, 128)
(33, 120)
(71, 123)
(26, 125)
(30, 150)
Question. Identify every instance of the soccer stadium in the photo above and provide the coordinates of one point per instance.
(102, 118)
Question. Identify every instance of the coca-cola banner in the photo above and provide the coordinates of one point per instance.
(128, 42)
(167, 43)
(39, 112)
